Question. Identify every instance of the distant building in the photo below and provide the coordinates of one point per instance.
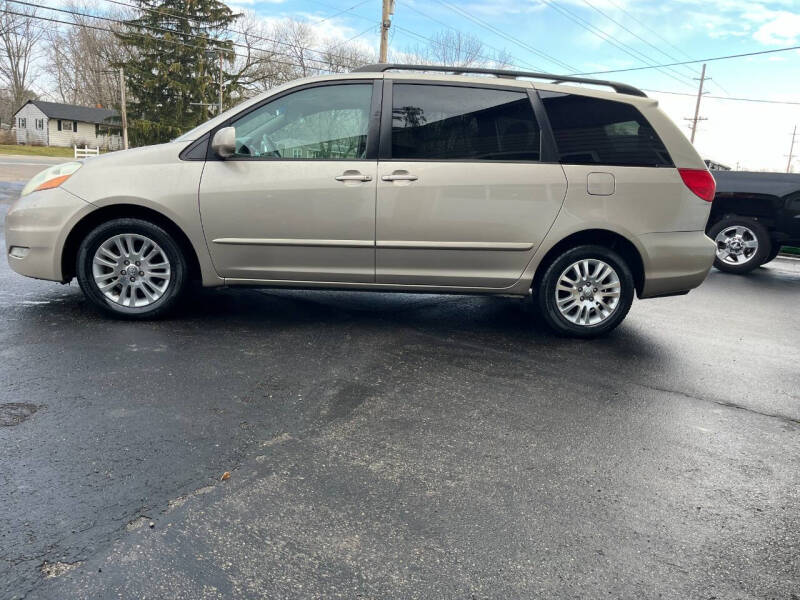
(715, 166)
(54, 124)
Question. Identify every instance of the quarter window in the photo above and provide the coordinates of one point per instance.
(593, 131)
(325, 123)
(462, 123)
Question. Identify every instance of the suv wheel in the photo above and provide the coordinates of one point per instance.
(131, 268)
(742, 244)
(585, 292)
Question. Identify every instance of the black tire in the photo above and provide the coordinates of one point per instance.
(174, 287)
(546, 292)
(776, 248)
(755, 230)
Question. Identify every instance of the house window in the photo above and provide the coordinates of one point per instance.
(22, 123)
(39, 124)
(66, 125)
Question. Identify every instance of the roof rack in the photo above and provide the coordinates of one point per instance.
(620, 88)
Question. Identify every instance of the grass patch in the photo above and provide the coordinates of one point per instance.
(790, 250)
(37, 150)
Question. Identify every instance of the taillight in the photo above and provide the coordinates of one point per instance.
(700, 181)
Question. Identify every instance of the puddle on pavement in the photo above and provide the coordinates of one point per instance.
(15, 413)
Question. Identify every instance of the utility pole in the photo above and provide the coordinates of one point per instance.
(697, 106)
(220, 84)
(123, 109)
(791, 151)
(386, 23)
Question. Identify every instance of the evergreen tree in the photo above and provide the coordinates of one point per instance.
(175, 48)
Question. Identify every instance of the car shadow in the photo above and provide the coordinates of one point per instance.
(483, 324)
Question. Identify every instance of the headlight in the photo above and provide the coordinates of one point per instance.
(51, 178)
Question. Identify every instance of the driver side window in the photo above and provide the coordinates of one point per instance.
(321, 123)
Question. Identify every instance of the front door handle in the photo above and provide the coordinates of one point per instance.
(399, 177)
(353, 176)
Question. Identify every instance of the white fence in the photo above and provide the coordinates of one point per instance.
(86, 152)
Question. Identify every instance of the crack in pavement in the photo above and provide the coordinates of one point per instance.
(724, 403)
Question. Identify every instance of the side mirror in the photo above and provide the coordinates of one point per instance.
(224, 142)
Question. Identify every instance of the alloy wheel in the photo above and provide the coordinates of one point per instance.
(131, 270)
(588, 292)
(736, 245)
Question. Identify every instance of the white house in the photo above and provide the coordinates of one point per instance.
(55, 124)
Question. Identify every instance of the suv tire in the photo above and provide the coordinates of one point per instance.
(773, 253)
(742, 244)
(131, 269)
(585, 292)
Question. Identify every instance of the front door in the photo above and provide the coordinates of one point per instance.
(463, 200)
(297, 200)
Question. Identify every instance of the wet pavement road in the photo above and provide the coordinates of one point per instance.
(21, 168)
(400, 446)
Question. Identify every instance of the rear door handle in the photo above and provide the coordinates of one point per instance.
(353, 177)
(399, 177)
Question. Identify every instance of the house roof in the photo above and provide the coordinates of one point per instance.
(71, 112)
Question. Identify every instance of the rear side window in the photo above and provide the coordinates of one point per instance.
(591, 131)
(440, 122)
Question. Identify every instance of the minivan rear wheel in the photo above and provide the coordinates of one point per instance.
(131, 269)
(585, 292)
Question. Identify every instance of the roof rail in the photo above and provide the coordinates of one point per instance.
(620, 88)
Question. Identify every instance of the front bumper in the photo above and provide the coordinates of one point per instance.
(37, 226)
(675, 262)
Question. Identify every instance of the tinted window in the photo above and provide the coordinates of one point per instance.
(593, 131)
(454, 122)
(326, 123)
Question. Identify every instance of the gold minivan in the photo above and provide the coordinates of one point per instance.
(391, 178)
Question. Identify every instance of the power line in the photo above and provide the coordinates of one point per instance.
(403, 29)
(518, 63)
(348, 40)
(229, 29)
(145, 36)
(506, 36)
(654, 32)
(444, 45)
(336, 14)
(627, 49)
(663, 39)
(693, 62)
(761, 100)
(161, 29)
(634, 34)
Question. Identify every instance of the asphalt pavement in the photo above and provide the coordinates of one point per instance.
(15, 168)
(400, 446)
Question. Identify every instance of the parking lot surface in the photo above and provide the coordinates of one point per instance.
(400, 446)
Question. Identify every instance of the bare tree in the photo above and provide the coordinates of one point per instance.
(19, 38)
(287, 50)
(79, 59)
(458, 49)
(340, 57)
(454, 48)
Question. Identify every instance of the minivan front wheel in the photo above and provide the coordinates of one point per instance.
(585, 292)
(131, 268)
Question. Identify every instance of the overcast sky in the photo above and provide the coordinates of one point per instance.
(754, 135)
